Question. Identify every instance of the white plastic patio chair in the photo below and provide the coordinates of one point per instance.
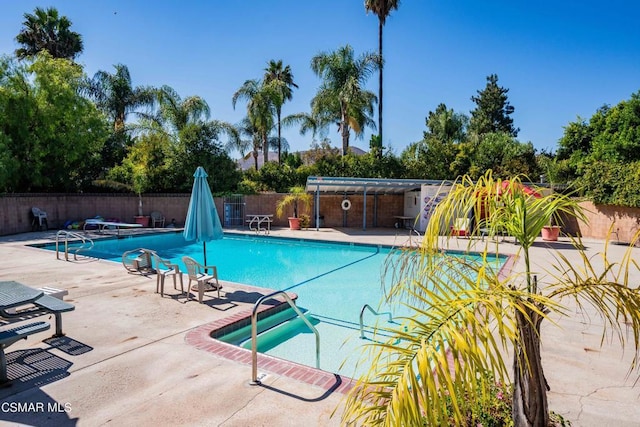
(157, 219)
(39, 218)
(165, 268)
(200, 274)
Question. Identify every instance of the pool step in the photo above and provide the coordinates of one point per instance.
(243, 334)
(284, 331)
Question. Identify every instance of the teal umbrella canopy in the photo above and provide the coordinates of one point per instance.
(202, 223)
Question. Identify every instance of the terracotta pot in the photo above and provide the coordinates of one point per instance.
(550, 232)
(142, 220)
(294, 223)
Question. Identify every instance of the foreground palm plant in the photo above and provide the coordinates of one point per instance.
(468, 315)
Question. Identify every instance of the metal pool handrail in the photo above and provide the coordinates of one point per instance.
(375, 313)
(254, 333)
(68, 234)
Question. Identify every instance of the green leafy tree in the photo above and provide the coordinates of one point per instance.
(445, 358)
(381, 8)
(575, 146)
(195, 140)
(48, 126)
(493, 111)
(505, 156)
(46, 30)
(342, 97)
(612, 183)
(278, 178)
(617, 132)
(281, 78)
(200, 145)
(375, 146)
(435, 156)
(611, 135)
(369, 165)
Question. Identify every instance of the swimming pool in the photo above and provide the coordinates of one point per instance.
(334, 281)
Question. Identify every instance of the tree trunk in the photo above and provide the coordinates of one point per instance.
(380, 86)
(279, 113)
(255, 158)
(344, 130)
(530, 386)
(265, 148)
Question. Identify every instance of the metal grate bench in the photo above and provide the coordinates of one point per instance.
(13, 335)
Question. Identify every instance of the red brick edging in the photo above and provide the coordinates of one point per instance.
(201, 338)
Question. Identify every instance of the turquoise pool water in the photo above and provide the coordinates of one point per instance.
(333, 282)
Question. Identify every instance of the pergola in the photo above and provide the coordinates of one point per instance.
(365, 186)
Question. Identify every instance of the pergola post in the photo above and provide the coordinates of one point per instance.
(364, 209)
(317, 207)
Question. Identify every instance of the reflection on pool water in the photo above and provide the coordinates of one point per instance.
(334, 281)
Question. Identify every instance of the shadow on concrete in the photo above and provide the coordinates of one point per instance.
(68, 345)
(326, 394)
(558, 245)
(32, 368)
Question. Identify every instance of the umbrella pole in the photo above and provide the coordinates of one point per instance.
(204, 245)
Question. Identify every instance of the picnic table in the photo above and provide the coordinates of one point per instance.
(257, 222)
(20, 301)
(14, 294)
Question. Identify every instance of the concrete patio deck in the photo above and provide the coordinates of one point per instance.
(131, 357)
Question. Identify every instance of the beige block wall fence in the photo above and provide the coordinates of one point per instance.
(15, 211)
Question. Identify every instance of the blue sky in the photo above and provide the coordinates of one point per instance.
(559, 59)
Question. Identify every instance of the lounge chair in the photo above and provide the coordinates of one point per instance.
(39, 219)
(157, 219)
(165, 268)
(200, 274)
(138, 261)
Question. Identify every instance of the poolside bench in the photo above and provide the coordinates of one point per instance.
(44, 305)
(13, 335)
(54, 292)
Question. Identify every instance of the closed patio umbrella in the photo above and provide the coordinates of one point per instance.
(202, 223)
(507, 186)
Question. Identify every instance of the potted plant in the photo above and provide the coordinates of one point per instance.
(305, 221)
(551, 231)
(297, 196)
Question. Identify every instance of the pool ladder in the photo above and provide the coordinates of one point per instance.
(87, 243)
(254, 332)
(367, 306)
(413, 233)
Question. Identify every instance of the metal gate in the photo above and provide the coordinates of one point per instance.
(234, 210)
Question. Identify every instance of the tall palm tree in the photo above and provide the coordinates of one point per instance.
(176, 114)
(282, 80)
(246, 128)
(382, 8)
(260, 108)
(115, 95)
(446, 357)
(47, 30)
(342, 97)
